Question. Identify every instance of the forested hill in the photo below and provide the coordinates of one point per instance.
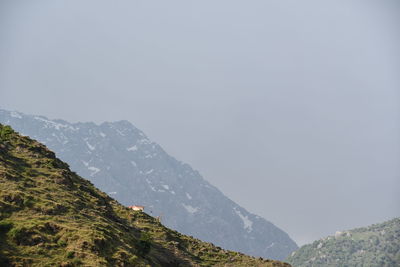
(377, 245)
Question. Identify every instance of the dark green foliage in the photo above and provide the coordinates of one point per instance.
(76, 262)
(4, 261)
(5, 132)
(70, 254)
(5, 227)
(30, 173)
(144, 244)
(133, 260)
(62, 243)
(19, 235)
(28, 202)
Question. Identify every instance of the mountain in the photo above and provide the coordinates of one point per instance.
(49, 216)
(375, 246)
(120, 160)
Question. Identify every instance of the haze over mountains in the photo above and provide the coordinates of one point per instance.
(120, 160)
(303, 94)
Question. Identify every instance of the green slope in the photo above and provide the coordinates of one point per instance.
(49, 216)
(375, 246)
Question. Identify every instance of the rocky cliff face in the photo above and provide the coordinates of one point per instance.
(120, 160)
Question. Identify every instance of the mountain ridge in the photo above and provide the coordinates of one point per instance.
(50, 216)
(120, 160)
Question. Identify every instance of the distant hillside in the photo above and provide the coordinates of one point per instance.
(375, 246)
(120, 160)
(49, 216)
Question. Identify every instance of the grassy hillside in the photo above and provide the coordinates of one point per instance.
(49, 216)
(375, 246)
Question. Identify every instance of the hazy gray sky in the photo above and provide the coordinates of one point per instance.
(291, 108)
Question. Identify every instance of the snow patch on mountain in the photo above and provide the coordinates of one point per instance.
(94, 170)
(144, 141)
(90, 146)
(53, 124)
(15, 114)
(150, 185)
(132, 148)
(165, 186)
(190, 208)
(247, 223)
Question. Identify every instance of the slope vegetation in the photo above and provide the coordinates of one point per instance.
(375, 246)
(49, 216)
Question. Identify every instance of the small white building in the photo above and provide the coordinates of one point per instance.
(137, 208)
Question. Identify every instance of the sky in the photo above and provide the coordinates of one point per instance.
(291, 108)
